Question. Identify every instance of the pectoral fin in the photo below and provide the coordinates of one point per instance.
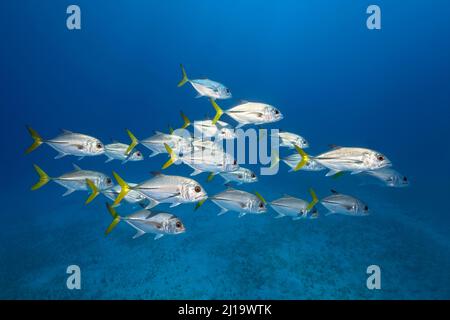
(138, 234)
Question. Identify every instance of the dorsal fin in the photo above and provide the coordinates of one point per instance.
(334, 146)
(156, 173)
(334, 191)
(66, 131)
(77, 168)
(242, 101)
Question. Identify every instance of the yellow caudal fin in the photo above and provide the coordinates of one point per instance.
(124, 189)
(275, 158)
(313, 201)
(43, 178)
(185, 78)
(37, 140)
(134, 142)
(94, 189)
(116, 218)
(170, 129)
(219, 111)
(186, 120)
(173, 157)
(305, 158)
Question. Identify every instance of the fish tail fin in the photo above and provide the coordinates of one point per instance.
(95, 191)
(275, 158)
(186, 120)
(219, 111)
(173, 157)
(185, 78)
(134, 142)
(210, 177)
(124, 189)
(305, 158)
(313, 201)
(116, 218)
(37, 140)
(43, 178)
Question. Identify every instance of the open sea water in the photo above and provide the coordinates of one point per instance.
(335, 81)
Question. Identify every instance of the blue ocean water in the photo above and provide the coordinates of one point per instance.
(335, 81)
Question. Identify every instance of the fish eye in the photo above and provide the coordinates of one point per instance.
(138, 154)
(380, 158)
(108, 180)
(366, 208)
(178, 224)
(405, 179)
(261, 205)
(276, 111)
(197, 189)
(235, 162)
(99, 146)
(253, 175)
(227, 90)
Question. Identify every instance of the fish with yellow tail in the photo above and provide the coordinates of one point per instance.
(206, 87)
(346, 159)
(289, 206)
(162, 188)
(207, 129)
(69, 143)
(76, 180)
(238, 201)
(338, 203)
(248, 113)
(145, 221)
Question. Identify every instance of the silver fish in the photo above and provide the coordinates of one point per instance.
(69, 143)
(295, 207)
(389, 177)
(239, 201)
(203, 160)
(220, 130)
(290, 140)
(145, 221)
(206, 87)
(118, 151)
(241, 175)
(249, 113)
(164, 189)
(338, 203)
(341, 159)
(78, 179)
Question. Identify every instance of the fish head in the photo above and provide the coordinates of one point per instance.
(175, 226)
(272, 114)
(224, 92)
(257, 206)
(193, 192)
(105, 182)
(376, 160)
(249, 176)
(301, 142)
(137, 156)
(397, 181)
(95, 147)
(364, 209)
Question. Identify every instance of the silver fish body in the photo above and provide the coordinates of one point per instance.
(171, 189)
(241, 175)
(210, 88)
(118, 151)
(158, 223)
(291, 207)
(389, 177)
(239, 201)
(76, 180)
(75, 144)
(338, 203)
(156, 143)
(290, 140)
(207, 160)
(254, 113)
(132, 197)
(351, 159)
